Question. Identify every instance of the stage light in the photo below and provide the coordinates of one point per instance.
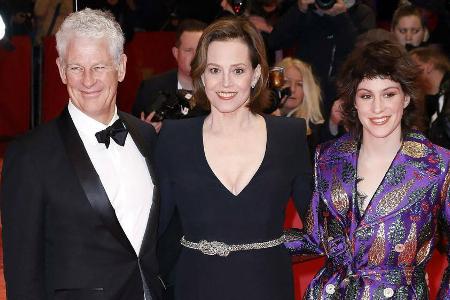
(2, 28)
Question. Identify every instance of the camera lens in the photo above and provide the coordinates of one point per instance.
(276, 77)
(238, 6)
(325, 4)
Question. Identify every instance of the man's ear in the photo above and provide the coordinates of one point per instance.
(175, 52)
(428, 67)
(122, 67)
(62, 73)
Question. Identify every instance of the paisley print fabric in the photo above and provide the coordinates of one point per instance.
(383, 252)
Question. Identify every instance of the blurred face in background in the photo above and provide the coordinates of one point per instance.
(185, 52)
(294, 80)
(409, 30)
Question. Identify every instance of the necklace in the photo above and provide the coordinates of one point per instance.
(361, 197)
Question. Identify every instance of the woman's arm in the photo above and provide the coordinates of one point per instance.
(307, 240)
(444, 292)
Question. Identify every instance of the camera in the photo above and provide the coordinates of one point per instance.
(325, 4)
(239, 6)
(278, 94)
(169, 105)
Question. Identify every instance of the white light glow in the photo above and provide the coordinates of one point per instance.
(2, 28)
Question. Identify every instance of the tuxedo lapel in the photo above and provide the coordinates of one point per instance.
(143, 145)
(145, 149)
(89, 179)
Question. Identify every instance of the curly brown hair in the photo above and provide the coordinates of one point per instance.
(380, 59)
(227, 29)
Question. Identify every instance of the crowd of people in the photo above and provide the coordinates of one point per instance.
(186, 199)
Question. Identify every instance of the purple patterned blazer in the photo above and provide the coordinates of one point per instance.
(382, 252)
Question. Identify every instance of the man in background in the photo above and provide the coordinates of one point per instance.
(149, 97)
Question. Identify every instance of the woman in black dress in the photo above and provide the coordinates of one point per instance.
(230, 174)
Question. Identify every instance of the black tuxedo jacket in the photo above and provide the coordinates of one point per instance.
(148, 90)
(61, 237)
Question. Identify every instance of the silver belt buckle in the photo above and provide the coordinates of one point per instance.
(214, 248)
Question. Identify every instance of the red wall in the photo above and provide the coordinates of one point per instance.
(15, 87)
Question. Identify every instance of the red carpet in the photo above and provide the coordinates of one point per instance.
(2, 280)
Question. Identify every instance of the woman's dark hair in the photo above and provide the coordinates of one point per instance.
(386, 60)
(228, 29)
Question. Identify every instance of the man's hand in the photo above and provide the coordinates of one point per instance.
(336, 112)
(338, 8)
(148, 119)
(276, 112)
(260, 23)
(303, 5)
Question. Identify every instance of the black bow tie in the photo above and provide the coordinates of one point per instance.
(116, 131)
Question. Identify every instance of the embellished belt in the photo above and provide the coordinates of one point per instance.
(222, 249)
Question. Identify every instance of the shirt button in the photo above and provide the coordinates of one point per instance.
(388, 292)
(330, 289)
(399, 248)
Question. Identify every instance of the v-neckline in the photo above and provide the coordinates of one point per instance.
(211, 171)
(369, 204)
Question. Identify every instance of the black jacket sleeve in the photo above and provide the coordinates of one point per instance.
(22, 210)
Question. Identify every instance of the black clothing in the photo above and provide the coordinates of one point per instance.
(363, 17)
(439, 131)
(322, 41)
(314, 137)
(155, 93)
(148, 91)
(61, 236)
(211, 212)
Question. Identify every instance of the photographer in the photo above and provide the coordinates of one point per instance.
(154, 93)
(304, 99)
(323, 37)
(20, 18)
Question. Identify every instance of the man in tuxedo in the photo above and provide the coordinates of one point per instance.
(187, 36)
(79, 199)
(435, 75)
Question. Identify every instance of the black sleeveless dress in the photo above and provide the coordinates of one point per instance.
(208, 211)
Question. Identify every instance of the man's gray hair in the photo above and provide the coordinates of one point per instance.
(91, 23)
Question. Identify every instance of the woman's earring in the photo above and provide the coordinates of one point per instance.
(407, 100)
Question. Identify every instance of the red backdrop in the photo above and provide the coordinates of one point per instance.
(149, 53)
(15, 87)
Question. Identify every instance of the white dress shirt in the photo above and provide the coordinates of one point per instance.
(123, 173)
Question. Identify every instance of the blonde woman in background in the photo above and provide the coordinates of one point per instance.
(305, 100)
